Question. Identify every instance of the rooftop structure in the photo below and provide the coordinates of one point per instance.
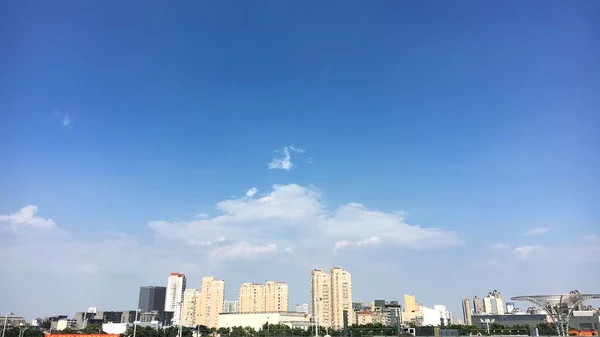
(560, 307)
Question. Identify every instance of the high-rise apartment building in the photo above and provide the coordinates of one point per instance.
(331, 294)
(466, 307)
(191, 301)
(410, 303)
(202, 307)
(231, 307)
(252, 297)
(321, 297)
(152, 298)
(510, 307)
(272, 296)
(478, 305)
(212, 292)
(276, 296)
(174, 296)
(341, 296)
(493, 305)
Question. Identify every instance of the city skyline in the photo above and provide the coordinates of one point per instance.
(441, 150)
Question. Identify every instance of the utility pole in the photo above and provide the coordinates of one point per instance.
(135, 321)
(180, 333)
(6, 321)
(316, 318)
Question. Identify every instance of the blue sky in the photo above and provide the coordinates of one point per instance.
(480, 119)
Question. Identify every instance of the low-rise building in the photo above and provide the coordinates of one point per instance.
(585, 320)
(163, 318)
(257, 320)
(363, 317)
(510, 319)
(13, 321)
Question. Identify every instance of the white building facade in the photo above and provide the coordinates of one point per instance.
(174, 296)
(435, 316)
(493, 305)
(231, 307)
(257, 320)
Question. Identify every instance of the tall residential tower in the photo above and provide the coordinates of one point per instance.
(212, 293)
(174, 296)
(272, 296)
(331, 294)
(466, 307)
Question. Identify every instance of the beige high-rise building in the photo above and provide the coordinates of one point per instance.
(252, 297)
(276, 296)
(331, 294)
(478, 305)
(412, 311)
(410, 303)
(202, 307)
(191, 299)
(212, 292)
(466, 307)
(341, 296)
(321, 297)
(272, 296)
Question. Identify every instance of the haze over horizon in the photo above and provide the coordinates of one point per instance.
(442, 149)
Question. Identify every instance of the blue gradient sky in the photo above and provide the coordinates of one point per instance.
(475, 117)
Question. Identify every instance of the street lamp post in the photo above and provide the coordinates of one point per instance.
(487, 322)
(6, 321)
(135, 321)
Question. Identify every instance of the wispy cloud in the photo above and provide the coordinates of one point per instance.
(251, 192)
(500, 246)
(374, 240)
(524, 252)
(65, 119)
(537, 231)
(284, 162)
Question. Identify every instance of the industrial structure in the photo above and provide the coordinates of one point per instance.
(560, 307)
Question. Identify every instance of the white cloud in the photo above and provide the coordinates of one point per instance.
(341, 245)
(355, 222)
(537, 231)
(202, 215)
(285, 161)
(293, 209)
(524, 252)
(251, 192)
(18, 223)
(244, 250)
(374, 240)
(65, 119)
(591, 237)
(500, 246)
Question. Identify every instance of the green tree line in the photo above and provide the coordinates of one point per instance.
(280, 330)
